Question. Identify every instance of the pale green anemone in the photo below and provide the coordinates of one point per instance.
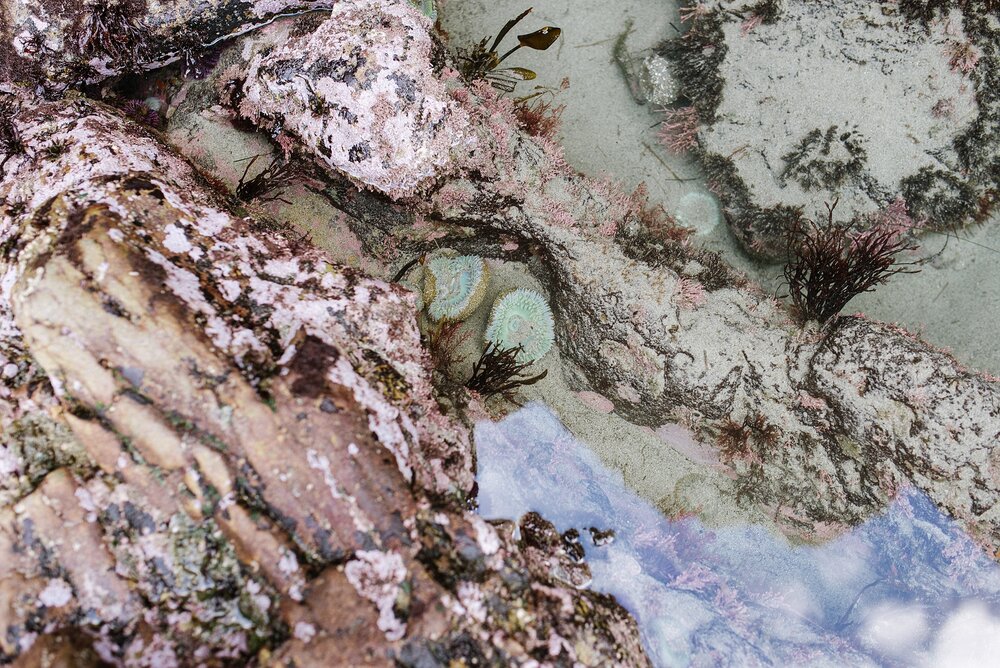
(522, 318)
(428, 7)
(454, 285)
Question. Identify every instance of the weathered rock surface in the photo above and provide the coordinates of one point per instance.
(60, 44)
(415, 129)
(819, 424)
(239, 454)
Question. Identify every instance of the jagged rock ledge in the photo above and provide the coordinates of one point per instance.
(221, 447)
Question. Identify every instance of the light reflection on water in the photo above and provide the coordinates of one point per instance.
(907, 587)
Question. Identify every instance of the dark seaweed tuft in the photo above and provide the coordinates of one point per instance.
(498, 372)
(695, 58)
(114, 29)
(10, 139)
(834, 263)
(939, 197)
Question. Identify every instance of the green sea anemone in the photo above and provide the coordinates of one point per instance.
(522, 318)
(454, 285)
(428, 7)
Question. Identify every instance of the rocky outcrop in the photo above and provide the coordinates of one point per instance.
(820, 424)
(234, 450)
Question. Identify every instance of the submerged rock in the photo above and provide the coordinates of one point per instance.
(372, 104)
(846, 102)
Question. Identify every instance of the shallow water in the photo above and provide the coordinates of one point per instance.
(953, 302)
(907, 587)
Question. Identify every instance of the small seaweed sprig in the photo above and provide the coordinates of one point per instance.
(273, 178)
(498, 371)
(829, 266)
(445, 341)
(481, 62)
(10, 139)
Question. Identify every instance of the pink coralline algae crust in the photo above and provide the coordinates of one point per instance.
(371, 106)
(596, 401)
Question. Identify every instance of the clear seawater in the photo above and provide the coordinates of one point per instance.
(907, 587)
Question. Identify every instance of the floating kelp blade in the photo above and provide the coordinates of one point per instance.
(523, 72)
(507, 28)
(508, 78)
(540, 39)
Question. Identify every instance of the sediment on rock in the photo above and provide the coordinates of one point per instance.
(670, 334)
(916, 123)
(255, 464)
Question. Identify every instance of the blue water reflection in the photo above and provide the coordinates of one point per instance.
(907, 587)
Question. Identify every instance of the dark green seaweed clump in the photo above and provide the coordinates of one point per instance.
(762, 230)
(926, 11)
(825, 159)
(10, 138)
(695, 58)
(498, 371)
(939, 197)
(769, 11)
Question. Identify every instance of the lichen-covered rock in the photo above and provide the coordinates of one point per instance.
(257, 466)
(371, 104)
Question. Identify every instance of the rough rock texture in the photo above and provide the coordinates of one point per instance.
(228, 446)
(818, 424)
(849, 101)
(59, 44)
(415, 128)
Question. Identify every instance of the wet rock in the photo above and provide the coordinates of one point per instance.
(63, 44)
(259, 468)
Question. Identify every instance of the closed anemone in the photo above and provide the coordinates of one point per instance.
(454, 286)
(523, 318)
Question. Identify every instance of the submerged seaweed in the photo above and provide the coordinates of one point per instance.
(833, 264)
(825, 159)
(498, 371)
